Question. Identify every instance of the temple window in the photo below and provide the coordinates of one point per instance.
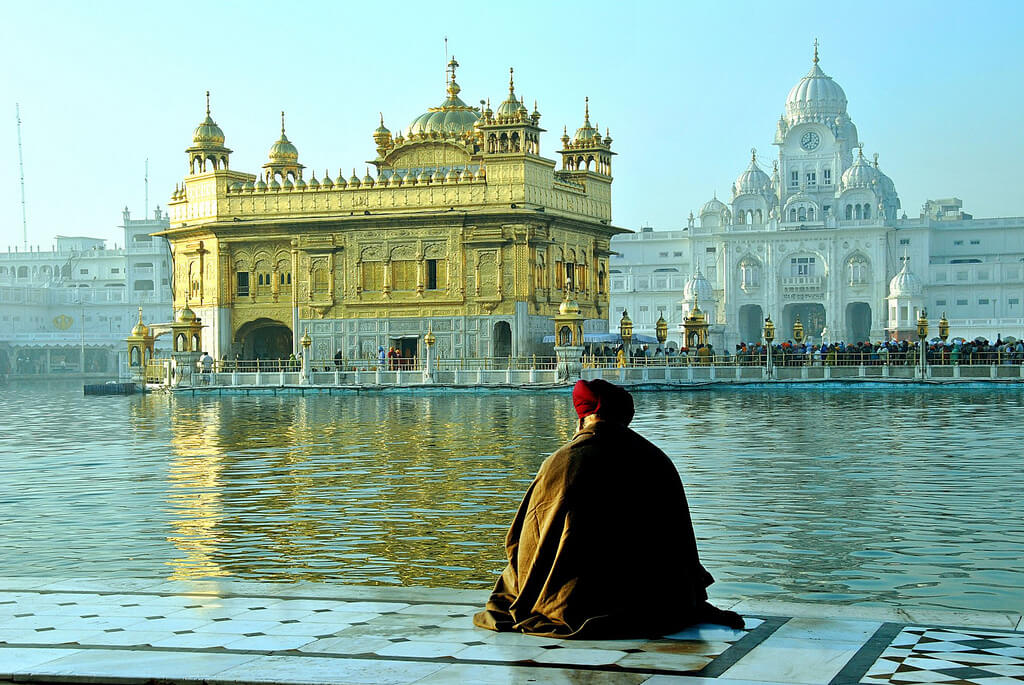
(827, 176)
(403, 274)
(242, 279)
(320, 280)
(373, 275)
(436, 274)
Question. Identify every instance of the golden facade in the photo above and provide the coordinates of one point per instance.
(464, 228)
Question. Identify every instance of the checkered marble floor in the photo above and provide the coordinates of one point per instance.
(943, 655)
(103, 630)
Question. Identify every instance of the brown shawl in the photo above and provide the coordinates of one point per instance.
(602, 545)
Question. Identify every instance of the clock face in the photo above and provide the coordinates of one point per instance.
(809, 141)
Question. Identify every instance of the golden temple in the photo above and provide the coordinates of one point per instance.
(463, 229)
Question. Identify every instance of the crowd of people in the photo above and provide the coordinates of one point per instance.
(891, 352)
(789, 353)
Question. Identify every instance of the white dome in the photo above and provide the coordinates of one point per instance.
(698, 287)
(816, 97)
(753, 181)
(860, 174)
(712, 206)
(905, 283)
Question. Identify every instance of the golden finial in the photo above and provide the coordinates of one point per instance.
(381, 118)
(511, 81)
(282, 123)
(815, 50)
(860, 150)
(207, 103)
(586, 111)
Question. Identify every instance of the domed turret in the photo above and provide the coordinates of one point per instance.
(569, 306)
(140, 329)
(905, 283)
(511, 108)
(453, 118)
(283, 159)
(186, 315)
(207, 147)
(586, 132)
(283, 151)
(816, 97)
(753, 181)
(860, 174)
(697, 289)
(713, 206)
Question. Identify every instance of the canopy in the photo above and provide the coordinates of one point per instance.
(613, 338)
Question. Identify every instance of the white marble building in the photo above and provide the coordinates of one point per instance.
(821, 235)
(68, 309)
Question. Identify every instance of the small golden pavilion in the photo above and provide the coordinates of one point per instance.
(463, 228)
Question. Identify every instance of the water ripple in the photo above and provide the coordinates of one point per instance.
(881, 495)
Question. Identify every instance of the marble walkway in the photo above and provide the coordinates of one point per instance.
(142, 631)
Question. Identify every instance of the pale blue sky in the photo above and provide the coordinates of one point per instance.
(686, 89)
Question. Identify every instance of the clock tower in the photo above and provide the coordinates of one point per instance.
(816, 138)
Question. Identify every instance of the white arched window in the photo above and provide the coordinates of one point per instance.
(750, 275)
(857, 268)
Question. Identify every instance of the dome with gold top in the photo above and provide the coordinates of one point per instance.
(569, 306)
(208, 133)
(452, 118)
(186, 315)
(140, 330)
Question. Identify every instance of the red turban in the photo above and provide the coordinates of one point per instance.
(608, 400)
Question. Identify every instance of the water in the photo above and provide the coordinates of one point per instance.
(883, 495)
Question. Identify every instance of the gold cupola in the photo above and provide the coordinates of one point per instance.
(454, 118)
(283, 160)
(207, 152)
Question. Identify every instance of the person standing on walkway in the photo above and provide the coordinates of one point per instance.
(602, 545)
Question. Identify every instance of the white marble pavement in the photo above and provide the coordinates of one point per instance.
(140, 630)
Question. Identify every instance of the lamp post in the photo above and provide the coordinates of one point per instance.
(626, 332)
(922, 335)
(769, 335)
(428, 369)
(943, 328)
(306, 342)
(661, 329)
(798, 331)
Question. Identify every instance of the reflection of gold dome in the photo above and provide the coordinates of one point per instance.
(186, 315)
(140, 329)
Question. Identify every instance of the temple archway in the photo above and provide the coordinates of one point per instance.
(502, 339)
(858, 322)
(812, 317)
(264, 339)
(751, 320)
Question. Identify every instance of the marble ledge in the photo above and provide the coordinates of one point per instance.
(884, 614)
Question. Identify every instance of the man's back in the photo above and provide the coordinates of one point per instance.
(602, 544)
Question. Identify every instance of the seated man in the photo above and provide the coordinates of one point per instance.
(602, 545)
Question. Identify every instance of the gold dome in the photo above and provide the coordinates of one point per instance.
(569, 307)
(186, 315)
(208, 133)
(453, 117)
(140, 330)
(284, 151)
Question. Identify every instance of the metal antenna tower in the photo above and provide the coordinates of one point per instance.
(21, 172)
